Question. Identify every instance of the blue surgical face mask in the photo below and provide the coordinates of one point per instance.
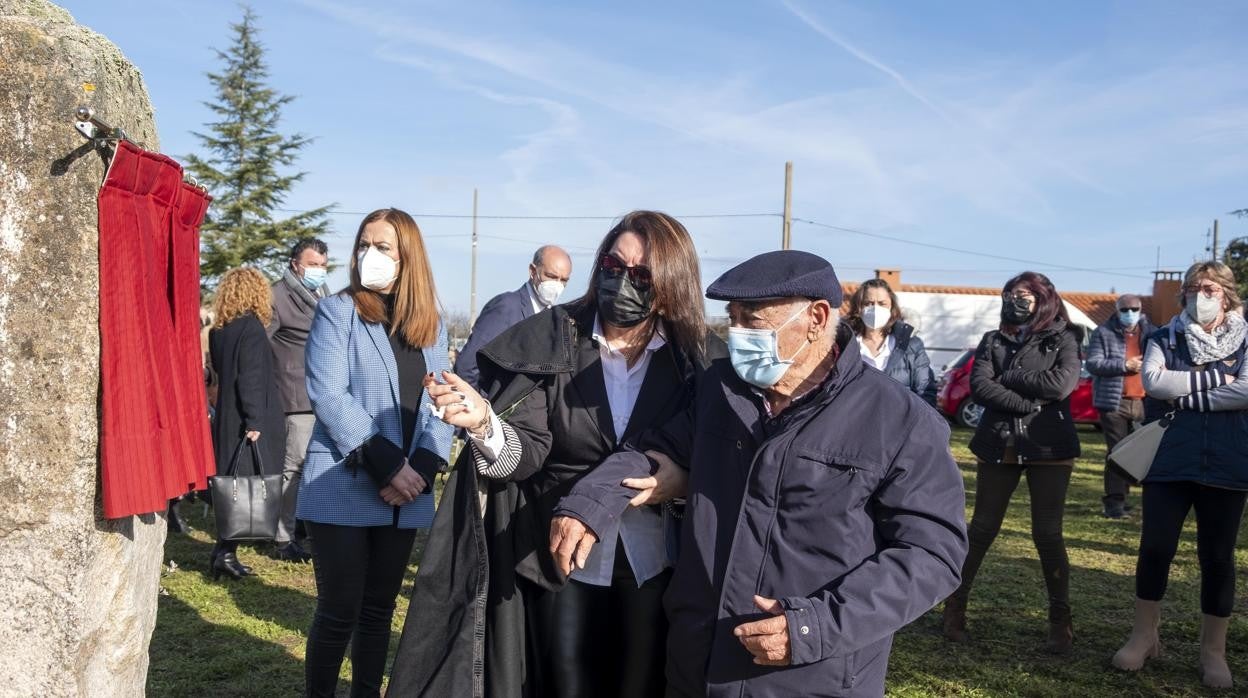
(314, 277)
(755, 354)
(1128, 318)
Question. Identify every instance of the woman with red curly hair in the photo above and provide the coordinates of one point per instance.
(249, 407)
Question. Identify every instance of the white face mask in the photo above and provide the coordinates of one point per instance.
(377, 271)
(876, 317)
(1203, 309)
(548, 292)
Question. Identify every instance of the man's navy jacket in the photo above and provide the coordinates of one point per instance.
(503, 311)
(848, 508)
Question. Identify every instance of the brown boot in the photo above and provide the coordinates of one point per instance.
(1214, 672)
(1144, 643)
(954, 621)
(1061, 632)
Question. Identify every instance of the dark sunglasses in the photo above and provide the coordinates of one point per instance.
(639, 275)
(1133, 310)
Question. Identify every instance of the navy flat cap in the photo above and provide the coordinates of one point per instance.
(779, 274)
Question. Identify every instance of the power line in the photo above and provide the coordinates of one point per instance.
(946, 248)
(1112, 271)
(465, 216)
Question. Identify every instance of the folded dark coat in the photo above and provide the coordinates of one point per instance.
(848, 508)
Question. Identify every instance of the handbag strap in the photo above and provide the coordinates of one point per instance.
(256, 462)
(238, 450)
(255, 458)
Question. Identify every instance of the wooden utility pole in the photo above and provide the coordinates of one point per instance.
(786, 237)
(1215, 239)
(472, 295)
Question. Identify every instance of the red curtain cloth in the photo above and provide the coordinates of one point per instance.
(153, 426)
(189, 209)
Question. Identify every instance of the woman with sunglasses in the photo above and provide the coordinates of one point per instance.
(1023, 375)
(1196, 376)
(565, 388)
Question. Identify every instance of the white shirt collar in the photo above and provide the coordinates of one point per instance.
(657, 339)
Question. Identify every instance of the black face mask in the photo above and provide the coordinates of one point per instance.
(620, 303)
(1016, 311)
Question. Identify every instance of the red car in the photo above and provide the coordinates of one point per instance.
(953, 395)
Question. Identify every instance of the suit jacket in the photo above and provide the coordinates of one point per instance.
(293, 308)
(353, 384)
(503, 311)
(247, 397)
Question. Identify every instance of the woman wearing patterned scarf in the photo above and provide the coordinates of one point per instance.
(1195, 373)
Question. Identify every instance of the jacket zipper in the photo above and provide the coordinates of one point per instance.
(1018, 421)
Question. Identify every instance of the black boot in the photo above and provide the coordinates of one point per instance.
(1061, 631)
(291, 552)
(174, 516)
(227, 564)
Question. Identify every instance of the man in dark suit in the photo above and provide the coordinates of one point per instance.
(295, 296)
(548, 276)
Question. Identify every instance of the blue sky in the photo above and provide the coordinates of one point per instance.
(1081, 135)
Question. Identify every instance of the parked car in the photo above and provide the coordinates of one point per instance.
(953, 395)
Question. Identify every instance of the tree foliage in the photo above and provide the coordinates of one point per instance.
(245, 166)
(1235, 255)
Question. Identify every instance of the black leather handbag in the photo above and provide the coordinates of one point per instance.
(246, 506)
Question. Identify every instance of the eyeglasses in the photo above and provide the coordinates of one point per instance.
(1018, 296)
(614, 267)
(1207, 289)
(1129, 310)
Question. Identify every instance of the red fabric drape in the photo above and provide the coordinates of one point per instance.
(150, 442)
(190, 207)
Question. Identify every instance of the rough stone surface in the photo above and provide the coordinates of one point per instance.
(77, 593)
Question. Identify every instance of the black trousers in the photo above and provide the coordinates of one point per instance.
(1116, 426)
(359, 570)
(1047, 483)
(599, 642)
(1218, 513)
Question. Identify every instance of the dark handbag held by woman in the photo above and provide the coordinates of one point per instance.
(246, 506)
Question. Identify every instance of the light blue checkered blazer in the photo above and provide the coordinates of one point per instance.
(353, 383)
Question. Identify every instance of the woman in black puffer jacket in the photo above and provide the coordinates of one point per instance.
(888, 342)
(1023, 376)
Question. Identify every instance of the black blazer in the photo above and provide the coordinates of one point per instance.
(247, 396)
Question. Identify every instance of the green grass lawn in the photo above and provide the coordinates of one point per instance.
(247, 638)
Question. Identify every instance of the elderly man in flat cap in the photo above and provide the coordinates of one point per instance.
(824, 509)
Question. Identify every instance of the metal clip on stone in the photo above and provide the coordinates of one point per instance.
(95, 130)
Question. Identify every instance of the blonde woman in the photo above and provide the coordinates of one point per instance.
(248, 405)
(1195, 372)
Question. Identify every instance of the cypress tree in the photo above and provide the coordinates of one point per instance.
(246, 166)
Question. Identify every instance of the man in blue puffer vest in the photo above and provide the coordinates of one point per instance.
(1115, 354)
